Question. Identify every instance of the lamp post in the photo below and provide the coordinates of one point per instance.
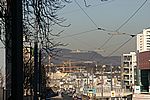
(102, 78)
(111, 83)
(111, 78)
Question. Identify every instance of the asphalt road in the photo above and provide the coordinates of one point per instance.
(141, 97)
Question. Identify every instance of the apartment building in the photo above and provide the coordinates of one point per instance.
(143, 41)
(129, 69)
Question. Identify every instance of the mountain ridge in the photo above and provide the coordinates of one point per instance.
(80, 55)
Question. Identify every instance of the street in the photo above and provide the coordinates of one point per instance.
(141, 97)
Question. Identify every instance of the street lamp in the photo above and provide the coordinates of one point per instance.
(102, 74)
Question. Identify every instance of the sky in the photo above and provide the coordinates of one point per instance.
(109, 15)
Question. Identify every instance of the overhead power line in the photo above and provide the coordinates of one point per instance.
(131, 16)
(89, 6)
(106, 42)
(124, 24)
(132, 35)
(86, 14)
(105, 29)
(75, 34)
(121, 46)
(99, 28)
(71, 35)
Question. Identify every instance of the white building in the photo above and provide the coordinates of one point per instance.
(143, 41)
(129, 68)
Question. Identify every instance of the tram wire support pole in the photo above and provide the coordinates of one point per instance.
(35, 70)
(17, 49)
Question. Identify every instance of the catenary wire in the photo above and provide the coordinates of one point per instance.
(117, 28)
(86, 14)
(98, 28)
(77, 33)
(119, 47)
(132, 36)
(92, 19)
(131, 16)
(124, 23)
(106, 41)
(110, 53)
(91, 6)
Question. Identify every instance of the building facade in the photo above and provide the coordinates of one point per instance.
(144, 67)
(129, 69)
(143, 41)
(143, 59)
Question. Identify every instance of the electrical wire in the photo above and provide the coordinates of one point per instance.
(88, 6)
(106, 41)
(133, 35)
(111, 31)
(131, 16)
(77, 34)
(95, 54)
(119, 47)
(124, 23)
(92, 19)
(98, 28)
(86, 14)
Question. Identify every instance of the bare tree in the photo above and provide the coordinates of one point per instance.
(38, 17)
(2, 20)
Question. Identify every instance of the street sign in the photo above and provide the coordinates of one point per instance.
(93, 90)
(112, 93)
(137, 89)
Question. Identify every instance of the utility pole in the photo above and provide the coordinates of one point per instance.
(111, 83)
(17, 49)
(35, 71)
(111, 78)
(102, 81)
(8, 43)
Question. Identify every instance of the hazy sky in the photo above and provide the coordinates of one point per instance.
(110, 15)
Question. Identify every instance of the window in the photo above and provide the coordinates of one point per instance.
(148, 40)
(148, 35)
